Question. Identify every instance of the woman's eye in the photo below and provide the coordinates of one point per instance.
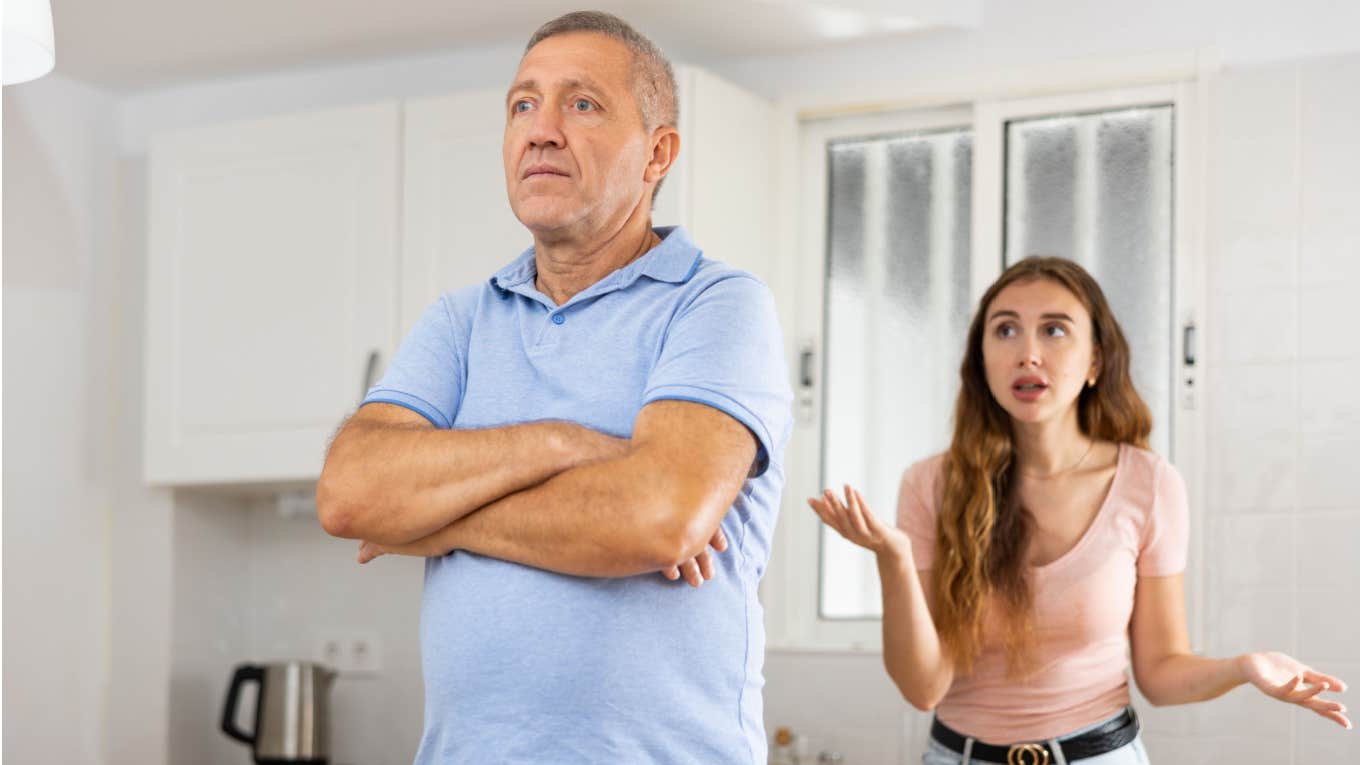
(1005, 330)
(1056, 330)
(582, 105)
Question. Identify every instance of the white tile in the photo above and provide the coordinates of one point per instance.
(1250, 620)
(821, 694)
(1251, 437)
(1329, 625)
(1323, 741)
(1251, 551)
(1327, 543)
(1253, 326)
(1253, 225)
(1329, 121)
(1326, 324)
(1242, 747)
(1253, 234)
(1327, 472)
(1328, 404)
(1181, 750)
(1244, 709)
(1256, 102)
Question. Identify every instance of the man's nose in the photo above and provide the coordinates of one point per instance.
(545, 128)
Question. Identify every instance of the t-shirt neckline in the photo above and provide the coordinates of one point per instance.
(1095, 522)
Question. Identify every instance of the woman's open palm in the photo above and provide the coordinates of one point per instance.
(854, 520)
(1287, 679)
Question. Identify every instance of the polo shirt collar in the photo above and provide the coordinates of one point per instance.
(674, 260)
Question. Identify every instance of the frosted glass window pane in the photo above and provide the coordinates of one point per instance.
(897, 292)
(1097, 189)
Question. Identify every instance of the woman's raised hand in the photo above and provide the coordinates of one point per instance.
(1287, 679)
(854, 520)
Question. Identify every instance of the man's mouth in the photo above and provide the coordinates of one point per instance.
(543, 170)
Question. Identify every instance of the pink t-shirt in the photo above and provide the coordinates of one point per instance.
(1082, 604)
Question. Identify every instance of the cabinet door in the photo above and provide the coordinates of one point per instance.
(272, 281)
(727, 171)
(457, 226)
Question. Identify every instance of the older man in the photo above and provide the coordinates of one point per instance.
(598, 413)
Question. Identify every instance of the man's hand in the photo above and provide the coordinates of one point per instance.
(429, 547)
(699, 569)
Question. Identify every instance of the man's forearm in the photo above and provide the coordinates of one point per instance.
(395, 485)
(604, 519)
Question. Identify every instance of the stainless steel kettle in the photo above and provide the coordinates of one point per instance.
(292, 712)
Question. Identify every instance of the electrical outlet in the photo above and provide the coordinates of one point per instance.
(350, 652)
(365, 654)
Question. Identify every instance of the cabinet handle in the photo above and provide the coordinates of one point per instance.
(369, 371)
(1188, 343)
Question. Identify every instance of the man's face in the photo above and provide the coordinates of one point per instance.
(575, 148)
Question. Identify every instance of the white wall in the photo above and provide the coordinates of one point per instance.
(59, 468)
(1284, 423)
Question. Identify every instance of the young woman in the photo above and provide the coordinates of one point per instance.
(1044, 538)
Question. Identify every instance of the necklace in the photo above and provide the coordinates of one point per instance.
(1089, 445)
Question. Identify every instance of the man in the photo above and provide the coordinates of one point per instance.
(599, 412)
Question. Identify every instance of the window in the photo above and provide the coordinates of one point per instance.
(906, 218)
(897, 306)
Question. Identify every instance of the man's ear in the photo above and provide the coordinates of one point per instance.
(665, 145)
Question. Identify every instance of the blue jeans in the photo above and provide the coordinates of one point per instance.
(1131, 753)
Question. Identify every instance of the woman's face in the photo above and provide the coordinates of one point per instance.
(1038, 349)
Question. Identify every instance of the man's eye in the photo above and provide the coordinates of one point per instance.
(582, 105)
(521, 106)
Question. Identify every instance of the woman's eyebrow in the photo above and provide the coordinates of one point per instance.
(1012, 314)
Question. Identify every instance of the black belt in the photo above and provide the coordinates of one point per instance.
(1107, 738)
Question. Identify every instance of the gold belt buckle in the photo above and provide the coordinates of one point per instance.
(1027, 754)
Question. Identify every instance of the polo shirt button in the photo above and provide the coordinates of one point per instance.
(559, 318)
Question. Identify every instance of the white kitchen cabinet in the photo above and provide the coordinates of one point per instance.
(457, 226)
(272, 280)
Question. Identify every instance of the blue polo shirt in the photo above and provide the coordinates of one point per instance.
(527, 666)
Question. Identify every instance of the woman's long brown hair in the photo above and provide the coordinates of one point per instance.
(983, 531)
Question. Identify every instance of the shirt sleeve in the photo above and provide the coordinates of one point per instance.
(916, 513)
(724, 349)
(1166, 538)
(428, 373)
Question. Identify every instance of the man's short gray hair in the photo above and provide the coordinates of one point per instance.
(652, 75)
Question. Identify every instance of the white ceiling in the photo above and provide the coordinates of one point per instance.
(137, 44)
